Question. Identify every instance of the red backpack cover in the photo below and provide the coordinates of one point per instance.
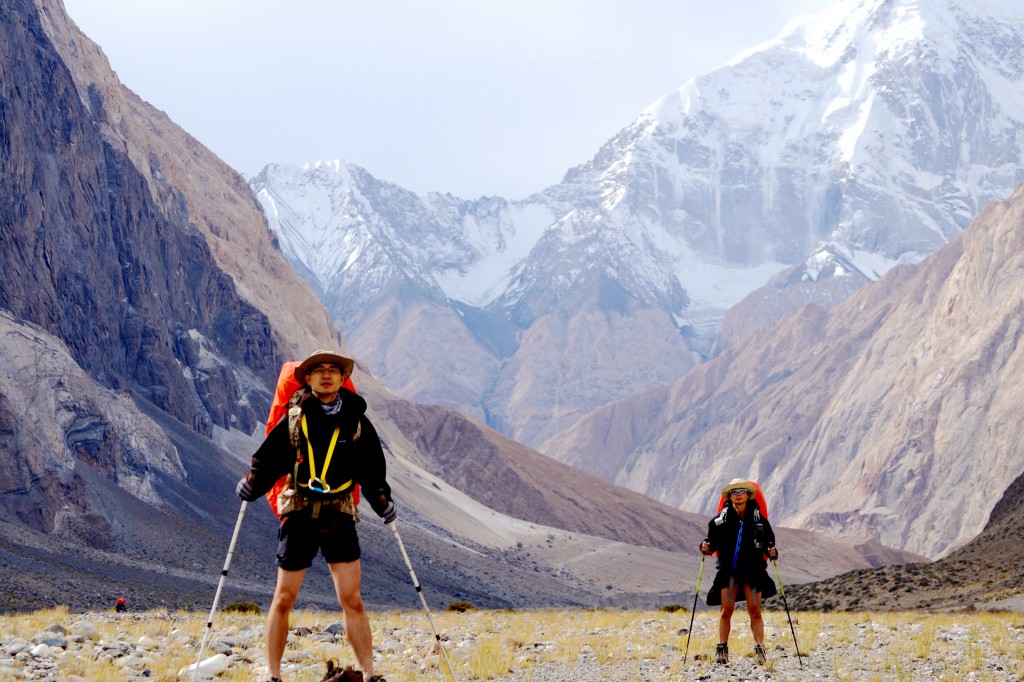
(287, 384)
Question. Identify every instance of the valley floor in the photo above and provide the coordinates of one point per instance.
(521, 646)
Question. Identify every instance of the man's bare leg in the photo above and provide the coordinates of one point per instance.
(287, 590)
(347, 576)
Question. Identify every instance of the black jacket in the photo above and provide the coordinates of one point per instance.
(749, 565)
(358, 459)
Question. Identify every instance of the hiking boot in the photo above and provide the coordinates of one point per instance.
(759, 655)
(722, 654)
(377, 678)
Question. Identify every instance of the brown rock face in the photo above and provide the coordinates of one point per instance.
(56, 423)
(783, 294)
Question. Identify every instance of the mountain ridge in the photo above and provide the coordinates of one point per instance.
(863, 137)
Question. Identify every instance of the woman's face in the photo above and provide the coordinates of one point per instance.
(739, 496)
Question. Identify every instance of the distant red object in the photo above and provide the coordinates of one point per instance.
(120, 605)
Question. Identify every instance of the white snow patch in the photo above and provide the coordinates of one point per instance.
(488, 277)
(722, 286)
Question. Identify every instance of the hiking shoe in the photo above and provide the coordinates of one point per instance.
(759, 655)
(377, 678)
(722, 654)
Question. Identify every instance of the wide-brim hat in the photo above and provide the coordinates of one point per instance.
(346, 364)
(739, 483)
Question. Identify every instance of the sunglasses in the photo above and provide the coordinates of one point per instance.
(735, 491)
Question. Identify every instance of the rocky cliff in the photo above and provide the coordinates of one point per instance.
(98, 270)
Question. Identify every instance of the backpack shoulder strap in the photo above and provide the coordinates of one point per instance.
(295, 416)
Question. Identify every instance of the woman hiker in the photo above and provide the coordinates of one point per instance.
(743, 538)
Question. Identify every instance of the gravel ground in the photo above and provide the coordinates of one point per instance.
(521, 646)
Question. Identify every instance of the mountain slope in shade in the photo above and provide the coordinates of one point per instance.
(863, 137)
(858, 420)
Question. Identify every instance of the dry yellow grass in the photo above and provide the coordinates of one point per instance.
(583, 644)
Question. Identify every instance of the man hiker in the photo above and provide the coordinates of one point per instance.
(742, 537)
(326, 445)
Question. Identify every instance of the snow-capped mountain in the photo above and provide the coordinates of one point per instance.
(863, 137)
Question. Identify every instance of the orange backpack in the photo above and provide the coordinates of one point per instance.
(287, 384)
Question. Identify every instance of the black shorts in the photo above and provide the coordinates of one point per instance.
(299, 539)
(758, 581)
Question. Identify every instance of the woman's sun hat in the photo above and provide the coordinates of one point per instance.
(741, 484)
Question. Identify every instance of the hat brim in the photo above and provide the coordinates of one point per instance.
(321, 356)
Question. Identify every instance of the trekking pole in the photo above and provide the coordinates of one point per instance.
(220, 586)
(423, 600)
(700, 574)
(783, 593)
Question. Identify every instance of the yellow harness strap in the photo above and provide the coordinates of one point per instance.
(323, 486)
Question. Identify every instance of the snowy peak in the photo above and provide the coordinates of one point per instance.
(345, 229)
(807, 138)
(858, 29)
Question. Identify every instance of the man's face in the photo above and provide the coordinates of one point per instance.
(325, 380)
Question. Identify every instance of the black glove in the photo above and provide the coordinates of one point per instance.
(244, 490)
(390, 513)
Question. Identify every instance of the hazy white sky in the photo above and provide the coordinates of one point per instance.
(472, 97)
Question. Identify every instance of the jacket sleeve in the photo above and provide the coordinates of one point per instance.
(769, 534)
(372, 469)
(713, 536)
(274, 458)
